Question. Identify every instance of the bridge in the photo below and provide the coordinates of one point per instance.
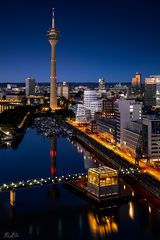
(55, 180)
(13, 186)
(41, 182)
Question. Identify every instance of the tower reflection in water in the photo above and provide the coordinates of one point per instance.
(53, 192)
(53, 146)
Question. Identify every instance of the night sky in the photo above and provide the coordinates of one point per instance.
(109, 38)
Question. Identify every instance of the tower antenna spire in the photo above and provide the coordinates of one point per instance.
(53, 22)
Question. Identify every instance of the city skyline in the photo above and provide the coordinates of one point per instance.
(108, 39)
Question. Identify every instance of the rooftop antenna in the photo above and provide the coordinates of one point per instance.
(53, 22)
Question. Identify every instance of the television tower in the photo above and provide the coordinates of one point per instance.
(53, 37)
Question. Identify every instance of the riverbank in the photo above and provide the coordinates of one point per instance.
(11, 133)
(109, 157)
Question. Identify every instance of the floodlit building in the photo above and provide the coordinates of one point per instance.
(106, 128)
(63, 90)
(109, 108)
(125, 111)
(59, 90)
(103, 182)
(5, 106)
(91, 103)
(83, 115)
(96, 106)
(132, 136)
(136, 81)
(151, 139)
(152, 91)
(89, 97)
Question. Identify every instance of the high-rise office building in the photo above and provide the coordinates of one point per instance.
(91, 102)
(90, 107)
(109, 108)
(53, 37)
(83, 115)
(89, 96)
(63, 90)
(30, 84)
(136, 81)
(151, 139)
(125, 111)
(152, 91)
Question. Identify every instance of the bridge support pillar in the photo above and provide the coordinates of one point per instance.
(12, 198)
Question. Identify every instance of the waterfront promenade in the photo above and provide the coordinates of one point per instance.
(127, 157)
(149, 177)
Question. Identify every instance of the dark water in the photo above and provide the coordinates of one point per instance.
(55, 212)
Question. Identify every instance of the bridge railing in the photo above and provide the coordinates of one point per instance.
(42, 181)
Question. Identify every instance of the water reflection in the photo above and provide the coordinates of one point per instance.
(63, 213)
(12, 214)
(53, 191)
(53, 145)
(149, 209)
(89, 160)
(102, 224)
(131, 210)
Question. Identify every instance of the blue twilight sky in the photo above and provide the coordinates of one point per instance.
(110, 38)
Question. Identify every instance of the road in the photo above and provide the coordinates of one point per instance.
(147, 169)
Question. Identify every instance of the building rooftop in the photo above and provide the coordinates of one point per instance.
(110, 122)
(103, 169)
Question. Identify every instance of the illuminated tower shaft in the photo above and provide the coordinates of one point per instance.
(53, 37)
(53, 92)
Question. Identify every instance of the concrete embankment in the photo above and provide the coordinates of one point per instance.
(105, 155)
(149, 186)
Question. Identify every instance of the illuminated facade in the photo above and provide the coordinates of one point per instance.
(4, 107)
(103, 182)
(83, 115)
(89, 96)
(131, 135)
(53, 37)
(63, 90)
(109, 108)
(106, 128)
(136, 80)
(126, 110)
(90, 107)
(9, 104)
(151, 130)
(152, 91)
(91, 102)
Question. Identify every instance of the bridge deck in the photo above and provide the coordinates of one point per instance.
(55, 180)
